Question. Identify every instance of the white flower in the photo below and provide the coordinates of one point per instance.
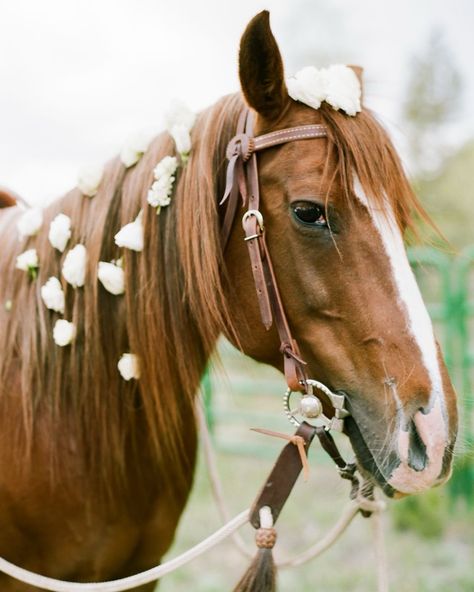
(308, 86)
(159, 195)
(60, 232)
(74, 266)
(182, 139)
(179, 120)
(53, 295)
(30, 222)
(129, 367)
(64, 332)
(178, 113)
(112, 277)
(338, 85)
(131, 235)
(89, 179)
(343, 89)
(135, 146)
(166, 167)
(28, 261)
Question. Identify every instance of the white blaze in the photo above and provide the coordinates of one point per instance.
(432, 427)
(418, 319)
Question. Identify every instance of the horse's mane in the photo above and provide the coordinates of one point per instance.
(170, 315)
(173, 309)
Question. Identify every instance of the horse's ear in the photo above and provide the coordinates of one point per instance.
(261, 68)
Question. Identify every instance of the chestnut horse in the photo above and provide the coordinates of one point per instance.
(96, 470)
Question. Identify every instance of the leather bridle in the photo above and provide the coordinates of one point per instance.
(242, 180)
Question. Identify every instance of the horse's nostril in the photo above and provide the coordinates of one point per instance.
(417, 457)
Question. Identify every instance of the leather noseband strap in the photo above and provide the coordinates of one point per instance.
(242, 180)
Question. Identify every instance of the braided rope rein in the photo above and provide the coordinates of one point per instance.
(359, 503)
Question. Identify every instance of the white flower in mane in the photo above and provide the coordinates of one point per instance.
(60, 232)
(159, 195)
(64, 332)
(53, 295)
(30, 222)
(112, 276)
(135, 146)
(179, 121)
(28, 261)
(74, 266)
(129, 366)
(178, 113)
(338, 85)
(131, 235)
(182, 139)
(89, 179)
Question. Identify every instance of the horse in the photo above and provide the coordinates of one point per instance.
(96, 469)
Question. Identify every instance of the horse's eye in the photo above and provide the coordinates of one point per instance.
(310, 213)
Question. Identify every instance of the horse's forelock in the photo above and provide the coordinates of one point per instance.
(362, 149)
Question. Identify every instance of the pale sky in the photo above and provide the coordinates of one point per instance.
(77, 76)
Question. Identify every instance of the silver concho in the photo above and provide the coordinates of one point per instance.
(310, 407)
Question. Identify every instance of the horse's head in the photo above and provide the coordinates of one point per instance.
(335, 210)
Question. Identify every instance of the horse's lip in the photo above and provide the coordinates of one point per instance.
(365, 458)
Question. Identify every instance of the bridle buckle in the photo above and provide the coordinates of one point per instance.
(259, 217)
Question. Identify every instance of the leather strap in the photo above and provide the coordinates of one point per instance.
(242, 178)
(302, 132)
(282, 478)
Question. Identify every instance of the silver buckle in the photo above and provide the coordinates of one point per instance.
(258, 215)
(310, 407)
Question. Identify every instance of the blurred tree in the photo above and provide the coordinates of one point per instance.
(432, 100)
(449, 198)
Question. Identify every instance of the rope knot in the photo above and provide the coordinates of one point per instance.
(265, 538)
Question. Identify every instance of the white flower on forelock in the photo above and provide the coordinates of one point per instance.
(178, 113)
(135, 146)
(129, 366)
(89, 179)
(60, 232)
(30, 222)
(64, 332)
(159, 195)
(28, 261)
(131, 235)
(74, 266)
(112, 277)
(338, 85)
(53, 295)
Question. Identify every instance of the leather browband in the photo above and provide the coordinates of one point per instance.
(242, 180)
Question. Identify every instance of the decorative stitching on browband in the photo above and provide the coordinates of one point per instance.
(315, 126)
(286, 138)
